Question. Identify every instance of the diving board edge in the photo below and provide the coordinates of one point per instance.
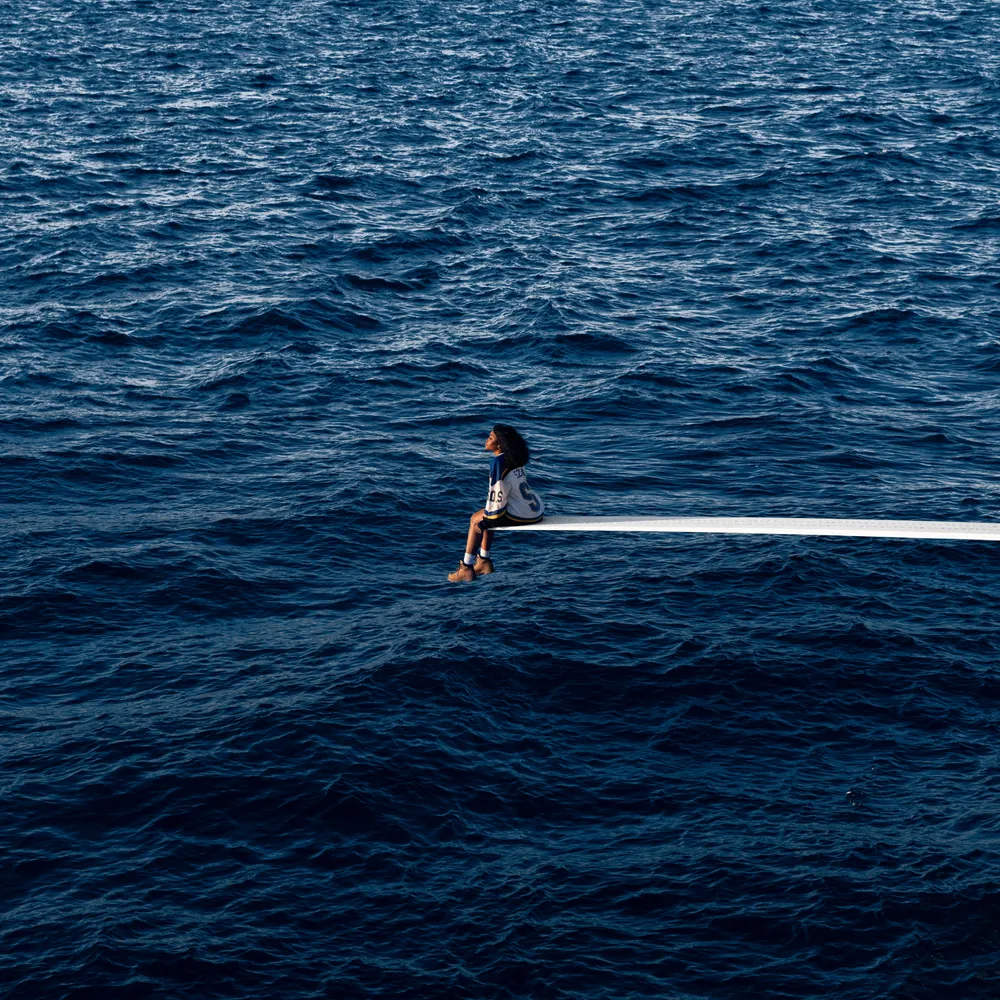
(845, 527)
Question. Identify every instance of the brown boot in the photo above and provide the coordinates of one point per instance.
(464, 574)
(483, 566)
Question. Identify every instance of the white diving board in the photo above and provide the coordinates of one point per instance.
(972, 530)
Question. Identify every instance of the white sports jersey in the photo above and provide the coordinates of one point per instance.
(511, 494)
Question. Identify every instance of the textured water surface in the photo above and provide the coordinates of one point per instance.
(269, 274)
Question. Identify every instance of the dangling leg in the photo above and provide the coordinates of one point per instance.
(465, 573)
(484, 564)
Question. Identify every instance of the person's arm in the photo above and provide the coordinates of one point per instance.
(496, 502)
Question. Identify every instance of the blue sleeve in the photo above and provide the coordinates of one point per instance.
(496, 502)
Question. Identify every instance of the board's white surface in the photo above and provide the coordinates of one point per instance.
(772, 526)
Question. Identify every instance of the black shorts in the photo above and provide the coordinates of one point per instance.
(503, 521)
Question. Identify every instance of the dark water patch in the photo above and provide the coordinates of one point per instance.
(430, 241)
(684, 193)
(989, 355)
(653, 376)
(986, 222)
(573, 347)
(852, 459)
(260, 530)
(331, 187)
(142, 460)
(108, 571)
(887, 317)
(249, 328)
(759, 182)
(167, 230)
(334, 181)
(235, 401)
(16, 461)
(644, 162)
(403, 373)
(107, 279)
(796, 381)
(524, 156)
(45, 611)
(145, 171)
(210, 592)
(303, 347)
(940, 277)
(376, 284)
(38, 423)
(224, 382)
(58, 332)
(353, 322)
(112, 338)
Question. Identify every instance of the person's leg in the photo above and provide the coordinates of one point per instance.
(465, 572)
(484, 565)
(476, 534)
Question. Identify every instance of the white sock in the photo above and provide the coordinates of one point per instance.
(469, 559)
(484, 553)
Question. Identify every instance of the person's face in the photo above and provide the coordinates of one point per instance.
(491, 443)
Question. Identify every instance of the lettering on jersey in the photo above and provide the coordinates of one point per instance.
(534, 504)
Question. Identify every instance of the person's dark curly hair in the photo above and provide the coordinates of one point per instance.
(514, 447)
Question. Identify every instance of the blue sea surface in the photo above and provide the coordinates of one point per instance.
(269, 272)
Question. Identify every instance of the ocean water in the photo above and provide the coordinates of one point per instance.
(268, 274)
